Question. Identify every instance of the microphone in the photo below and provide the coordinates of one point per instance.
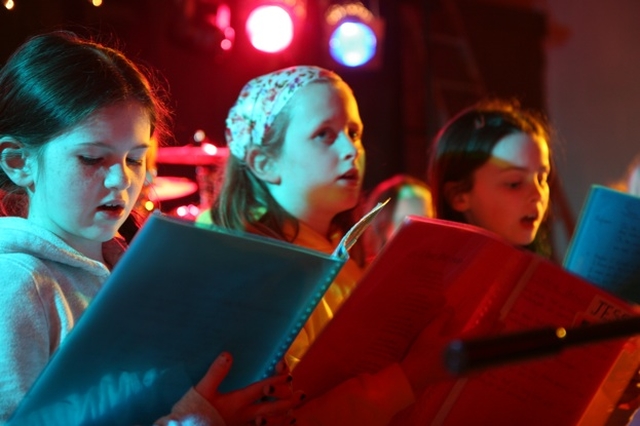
(463, 356)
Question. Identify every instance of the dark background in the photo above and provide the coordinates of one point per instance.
(402, 101)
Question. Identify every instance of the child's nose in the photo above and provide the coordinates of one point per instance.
(538, 190)
(117, 177)
(349, 147)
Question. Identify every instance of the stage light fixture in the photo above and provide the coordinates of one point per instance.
(204, 25)
(271, 25)
(270, 28)
(353, 35)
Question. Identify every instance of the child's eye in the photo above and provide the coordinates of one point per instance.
(326, 136)
(543, 178)
(514, 185)
(89, 161)
(355, 135)
(136, 161)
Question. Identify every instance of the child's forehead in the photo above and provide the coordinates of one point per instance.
(521, 149)
(323, 102)
(117, 126)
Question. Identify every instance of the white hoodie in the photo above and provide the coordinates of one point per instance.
(45, 285)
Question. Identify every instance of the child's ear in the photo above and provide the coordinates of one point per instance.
(456, 197)
(16, 162)
(263, 166)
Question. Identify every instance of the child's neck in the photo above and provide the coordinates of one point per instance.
(319, 220)
(321, 226)
(89, 248)
(93, 250)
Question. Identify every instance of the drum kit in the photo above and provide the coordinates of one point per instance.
(206, 158)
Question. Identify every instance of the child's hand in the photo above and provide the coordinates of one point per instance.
(250, 405)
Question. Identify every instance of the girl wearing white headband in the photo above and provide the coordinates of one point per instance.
(295, 174)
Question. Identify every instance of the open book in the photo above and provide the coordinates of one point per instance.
(179, 296)
(605, 248)
(433, 267)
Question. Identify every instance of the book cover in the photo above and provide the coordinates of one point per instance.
(179, 296)
(432, 266)
(605, 247)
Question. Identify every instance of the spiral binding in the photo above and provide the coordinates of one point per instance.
(298, 326)
(341, 253)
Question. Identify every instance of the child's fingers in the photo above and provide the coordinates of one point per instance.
(298, 398)
(264, 412)
(275, 407)
(208, 385)
(283, 407)
(278, 390)
(280, 380)
(274, 421)
(271, 397)
(270, 387)
(282, 368)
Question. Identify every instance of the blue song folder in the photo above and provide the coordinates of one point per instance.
(605, 248)
(179, 296)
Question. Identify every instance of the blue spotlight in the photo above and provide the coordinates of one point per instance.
(353, 35)
(353, 44)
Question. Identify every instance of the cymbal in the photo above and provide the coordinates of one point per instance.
(165, 188)
(191, 155)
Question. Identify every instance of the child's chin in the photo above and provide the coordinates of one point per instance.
(526, 241)
(522, 240)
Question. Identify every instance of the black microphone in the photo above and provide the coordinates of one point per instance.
(463, 356)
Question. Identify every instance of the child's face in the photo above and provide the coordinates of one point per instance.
(321, 166)
(510, 193)
(88, 179)
(414, 201)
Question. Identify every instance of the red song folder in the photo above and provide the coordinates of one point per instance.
(431, 267)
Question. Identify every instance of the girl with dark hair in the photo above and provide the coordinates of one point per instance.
(76, 121)
(490, 166)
